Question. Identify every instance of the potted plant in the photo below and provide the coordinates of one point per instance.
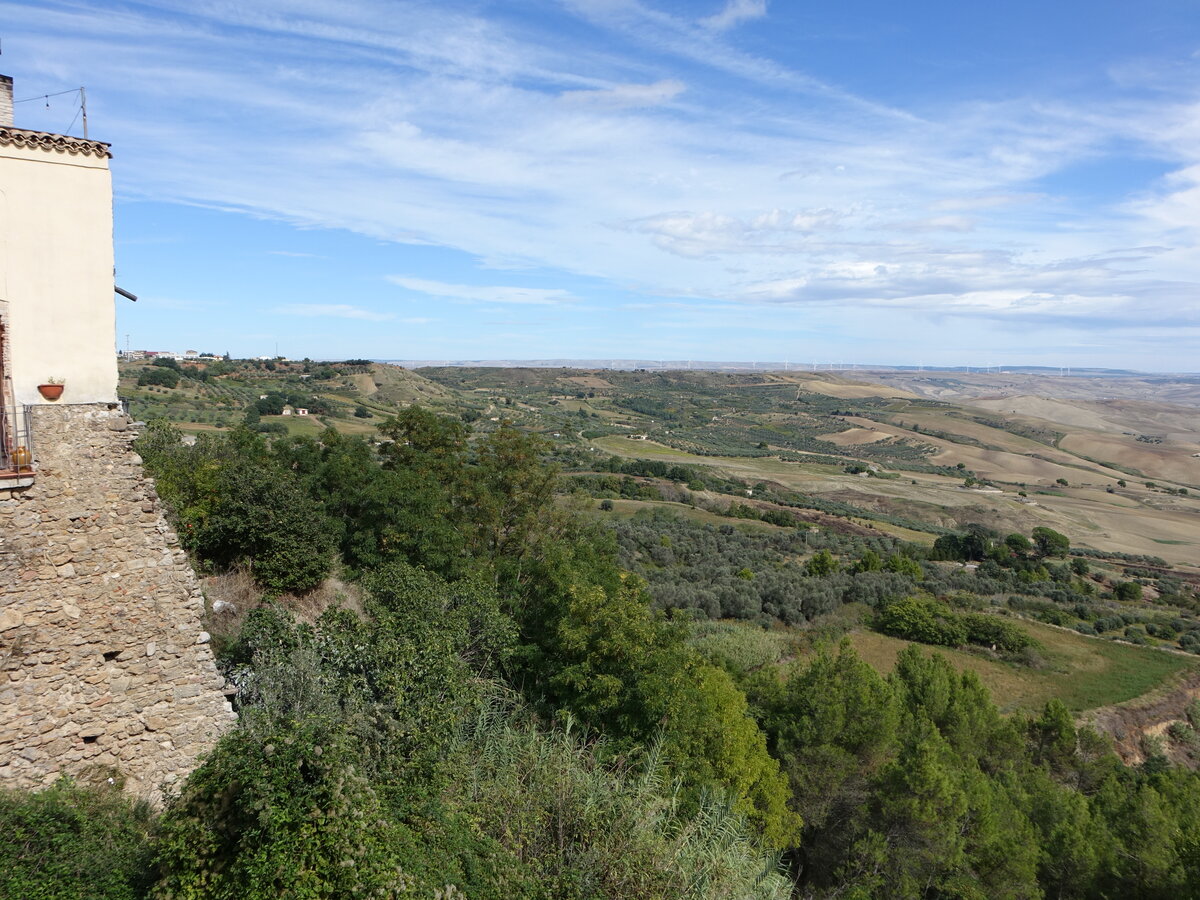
(52, 389)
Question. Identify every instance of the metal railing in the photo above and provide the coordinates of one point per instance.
(16, 442)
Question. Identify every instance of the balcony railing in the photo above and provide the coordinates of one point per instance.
(16, 444)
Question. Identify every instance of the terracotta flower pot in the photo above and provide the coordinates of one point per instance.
(51, 391)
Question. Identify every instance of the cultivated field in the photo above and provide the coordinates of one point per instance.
(1085, 673)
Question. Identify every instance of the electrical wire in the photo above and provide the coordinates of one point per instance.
(78, 110)
(47, 96)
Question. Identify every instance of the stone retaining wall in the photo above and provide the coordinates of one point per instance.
(104, 666)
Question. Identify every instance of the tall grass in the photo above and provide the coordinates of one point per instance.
(592, 828)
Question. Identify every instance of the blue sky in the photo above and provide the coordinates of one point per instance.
(929, 183)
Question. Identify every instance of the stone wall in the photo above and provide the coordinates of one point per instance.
(103, 661)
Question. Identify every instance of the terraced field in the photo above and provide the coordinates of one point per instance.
(1085, 673)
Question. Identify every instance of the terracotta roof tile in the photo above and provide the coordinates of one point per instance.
(60, 143)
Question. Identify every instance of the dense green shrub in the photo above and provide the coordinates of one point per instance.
(235, 506)
(1128, 592)
(260, 518)
(168, 378)
(74, 841)
(924, 620)
(993, 631)
(280, 812)
(931, 622)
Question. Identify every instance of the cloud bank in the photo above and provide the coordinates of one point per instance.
(645, 151)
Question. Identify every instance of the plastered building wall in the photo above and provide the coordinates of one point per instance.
(56, 266)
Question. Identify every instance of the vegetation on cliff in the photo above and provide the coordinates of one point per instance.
(524, 705)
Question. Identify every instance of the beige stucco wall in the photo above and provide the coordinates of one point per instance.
(56, 271)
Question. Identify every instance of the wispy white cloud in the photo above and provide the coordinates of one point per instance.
(332, 310)
(734, 13)
(961, 224)
(655, 154)
(628, 95)
(485, 293)
(705, 46)
(709, 234)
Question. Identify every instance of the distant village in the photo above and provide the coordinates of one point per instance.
(181, 357)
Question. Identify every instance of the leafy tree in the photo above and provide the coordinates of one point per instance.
(948, 546)
(919, 619)
(1018, 544)
(1052, 736)
(1074, 845)
(261, 518)
(868, 562)
(168, 378)
(977, 541)
(380, 510)
(710, 739)
(620, 668)
(992, 631)
(272, 404)
(904, 565)
(1128, 591)
(922, 808)
(616, 665)
(821, 563)
(425, 440)
(1050, 542)
(832, 725)
(1145, 830)
(510, 495)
